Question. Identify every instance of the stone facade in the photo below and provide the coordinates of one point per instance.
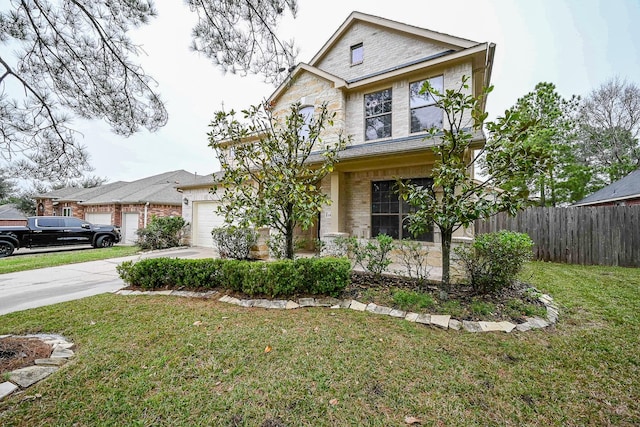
(400, 116)
(313, 90)
(383, 49)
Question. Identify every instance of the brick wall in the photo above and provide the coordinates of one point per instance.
(50, 209)
(116, 211)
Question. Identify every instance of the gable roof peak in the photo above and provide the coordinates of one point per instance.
(457, 43)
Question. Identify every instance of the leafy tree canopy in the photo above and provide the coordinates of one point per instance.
(66, 58)
(609, 131)
(273, 166)
(456, 199)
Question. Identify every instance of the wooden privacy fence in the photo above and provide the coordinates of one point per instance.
(606, 235)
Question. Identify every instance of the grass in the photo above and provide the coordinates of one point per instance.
(51, 259)
(141, 361)
(412, 300)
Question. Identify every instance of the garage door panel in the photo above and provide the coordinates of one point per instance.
(98, 218)
(129, 228)
(205, 219)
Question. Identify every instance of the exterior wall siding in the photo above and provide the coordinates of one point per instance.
(357, 203)
(383, 48)
(309, 89)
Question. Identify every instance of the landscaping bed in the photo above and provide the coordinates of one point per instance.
(513, 303)
(19, 352)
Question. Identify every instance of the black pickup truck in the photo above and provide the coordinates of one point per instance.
(42, 231)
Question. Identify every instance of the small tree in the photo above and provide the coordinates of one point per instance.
(272, 167)
(455, 199)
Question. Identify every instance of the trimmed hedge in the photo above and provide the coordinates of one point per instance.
(315, 276)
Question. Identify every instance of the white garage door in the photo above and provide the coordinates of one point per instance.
(98, 218)
(205, 218)
(129, 228)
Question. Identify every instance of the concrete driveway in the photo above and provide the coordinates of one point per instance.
(46, 286)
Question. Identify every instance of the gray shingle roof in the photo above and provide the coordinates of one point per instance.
(10, 211)
(158, 189)
(75, 194)
(625, 188)
(202, 181)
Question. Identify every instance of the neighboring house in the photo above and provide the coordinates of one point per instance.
(369, 73)
(625, 191)
(11, 215)
(128, 205)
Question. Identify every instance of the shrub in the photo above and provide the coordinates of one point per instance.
(494, 259)
(325, 276)
(234, 242)
(372, 256)
(413, 256)
(161, 232)
(316, 276)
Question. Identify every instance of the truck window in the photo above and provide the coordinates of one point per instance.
(50, 222)
(73, 222)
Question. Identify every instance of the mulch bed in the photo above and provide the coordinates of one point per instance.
(18, 352)
(363, 283)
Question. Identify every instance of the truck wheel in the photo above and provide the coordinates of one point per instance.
(6, 249)
(104, 242)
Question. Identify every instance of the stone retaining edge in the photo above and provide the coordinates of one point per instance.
(20, 379)
(435, 320)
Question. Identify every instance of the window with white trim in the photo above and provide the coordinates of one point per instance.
(377, 115)
(66, 211)
(423, 111)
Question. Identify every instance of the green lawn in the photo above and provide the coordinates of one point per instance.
(51, 259)
(141, 361)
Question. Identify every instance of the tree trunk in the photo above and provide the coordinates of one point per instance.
(290, 227)
(446, 263)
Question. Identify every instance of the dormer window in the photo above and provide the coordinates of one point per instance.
(357, 54)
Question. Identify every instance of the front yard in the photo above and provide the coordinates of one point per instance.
(142, 361)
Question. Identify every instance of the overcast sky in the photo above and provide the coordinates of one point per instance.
(575, 44)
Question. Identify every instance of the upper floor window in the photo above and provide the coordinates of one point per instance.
(424, 113)
(377, 115)
(307, 116)
(357, 54)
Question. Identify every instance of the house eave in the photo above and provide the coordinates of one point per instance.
(414, 67)
(610, 200)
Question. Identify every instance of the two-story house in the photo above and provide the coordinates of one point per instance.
(369, 73)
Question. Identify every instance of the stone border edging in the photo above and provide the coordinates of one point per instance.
(62, 351)
(437, 320)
